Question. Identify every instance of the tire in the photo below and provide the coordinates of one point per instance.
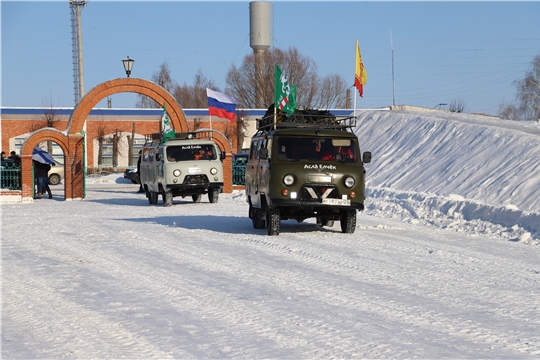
(348, 221)
(273, 220)
(167, 197)
(322, 221)
(54, 179)
(213, 195)
(196, 198)
(257, 217)
(152, 197)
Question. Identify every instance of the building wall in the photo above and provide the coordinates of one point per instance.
(17, 123)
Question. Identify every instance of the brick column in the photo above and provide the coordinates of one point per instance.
(227, 174)
(74, 175)
(26, 178)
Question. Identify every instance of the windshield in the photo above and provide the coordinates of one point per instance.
(315, 149)
(191, 152)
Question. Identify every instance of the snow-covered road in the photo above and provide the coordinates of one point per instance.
(114, 277)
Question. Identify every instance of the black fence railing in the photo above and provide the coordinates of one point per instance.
(239, 172)
(10, 176)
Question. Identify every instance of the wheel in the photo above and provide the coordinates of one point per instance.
(348, 221)
(167, 197)
(54, 179)
(272, 220)
(213, 195)
(322, 221)
(257, 217)
(196, 198)
(152, 197)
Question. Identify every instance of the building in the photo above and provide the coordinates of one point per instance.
(18, 123)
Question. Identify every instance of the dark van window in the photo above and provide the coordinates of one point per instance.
(191, 152)
(315, 149)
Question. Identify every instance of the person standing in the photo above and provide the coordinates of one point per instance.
(141, 189)
(16, 158)
(41, 172)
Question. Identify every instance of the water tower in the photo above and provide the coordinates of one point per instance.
(259, 41)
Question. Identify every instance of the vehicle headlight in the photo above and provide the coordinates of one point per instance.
(213, 171)
(288, 180)
(176, 173)
(349, 182)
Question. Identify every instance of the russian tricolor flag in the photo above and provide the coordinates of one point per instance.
(221, 105)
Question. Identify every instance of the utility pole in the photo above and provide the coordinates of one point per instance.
(393, 84)
(76, 47)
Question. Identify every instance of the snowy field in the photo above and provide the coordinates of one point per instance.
(444, 262)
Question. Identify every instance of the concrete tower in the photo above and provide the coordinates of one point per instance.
(259, 41)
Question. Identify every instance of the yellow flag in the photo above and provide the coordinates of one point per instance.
(360, 76)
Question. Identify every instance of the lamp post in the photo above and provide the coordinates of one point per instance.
(128, 65)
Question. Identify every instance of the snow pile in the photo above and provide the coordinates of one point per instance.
(449, 169)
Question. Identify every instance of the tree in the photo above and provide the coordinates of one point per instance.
(194, 96)
(508, 112)
(457, 106)
(528, 96)
(301, 71)
(529, 92)
(49, 118)
(115, 138)
(101, 137)
(163, 78)
(241, 128)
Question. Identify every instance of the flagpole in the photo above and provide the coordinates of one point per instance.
(354, 104)
(210, 116)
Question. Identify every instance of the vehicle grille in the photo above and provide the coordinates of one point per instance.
(195, 179)
(317, 192)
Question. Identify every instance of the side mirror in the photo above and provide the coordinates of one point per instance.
(263, 154)
(366, 158)
(222, 156)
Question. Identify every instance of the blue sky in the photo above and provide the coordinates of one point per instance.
(443, 51)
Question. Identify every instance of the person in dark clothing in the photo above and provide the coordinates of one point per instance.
(13, 155)
(141, 189)
(17, 180)
(41, 173)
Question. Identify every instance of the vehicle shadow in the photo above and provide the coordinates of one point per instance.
(226, 224)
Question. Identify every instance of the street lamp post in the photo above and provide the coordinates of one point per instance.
(128, 65)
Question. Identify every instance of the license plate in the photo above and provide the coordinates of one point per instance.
(342, 202)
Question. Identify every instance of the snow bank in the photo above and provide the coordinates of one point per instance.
(454, 165)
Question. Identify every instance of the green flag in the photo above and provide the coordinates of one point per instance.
(167, 130)
(284, 93)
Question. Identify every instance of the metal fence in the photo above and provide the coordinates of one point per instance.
(239, 172)
(10, 177)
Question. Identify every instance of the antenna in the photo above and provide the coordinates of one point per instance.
(393, 83)
(76, 48)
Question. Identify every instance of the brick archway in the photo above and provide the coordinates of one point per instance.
(44, 134)
(115, 86)
(72, 141)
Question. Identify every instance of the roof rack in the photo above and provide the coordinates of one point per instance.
(158, 137)
(326, 122)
